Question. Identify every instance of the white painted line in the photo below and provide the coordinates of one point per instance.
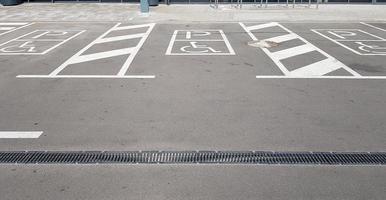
(12, 24)
(227, 43)
(131, 51)
(101, 55)
(64, 41)
(126, 66)
(15, 28)
(372, 26)
(282, 38)
(291, 52)
(323, 77)
(346, 47)
(316, 69)
(172, 40)
(209, 50)
(88, 76)
(118, 38)
(66, 63)
(60, 42)
(261, 26)
(6, 28)
(20, 134)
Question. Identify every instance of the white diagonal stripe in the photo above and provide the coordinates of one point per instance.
(282, 38)
(20, 134)
(261, 26)
(12, 24)
(6, 28)
(131, 27)
(294, 51)
(318, 69)
(101, 55)
(117, 38)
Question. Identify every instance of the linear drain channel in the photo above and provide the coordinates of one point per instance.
(192, 157)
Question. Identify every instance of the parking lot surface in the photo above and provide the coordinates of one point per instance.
(123, 86)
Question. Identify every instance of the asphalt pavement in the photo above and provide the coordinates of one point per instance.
(125, 86)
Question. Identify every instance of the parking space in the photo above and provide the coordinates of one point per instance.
(120, 86)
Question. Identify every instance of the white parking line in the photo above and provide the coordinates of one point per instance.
(372, 26)
(20, 134)
(87, 76)
(322, 77)
(11, 26)
(317, 69)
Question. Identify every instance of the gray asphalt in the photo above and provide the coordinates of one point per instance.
(206, 102)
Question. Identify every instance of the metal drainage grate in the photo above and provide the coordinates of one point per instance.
(193, 157)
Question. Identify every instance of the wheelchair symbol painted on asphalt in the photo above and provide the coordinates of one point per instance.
(199, 42)
(38, 42)
(355, 40)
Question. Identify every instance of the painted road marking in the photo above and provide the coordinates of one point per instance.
(7, 27)
(316, 69)
(20, 134)
(372, 26)
(199, 43)
(38, 42)
(355, 40)
(80, 57)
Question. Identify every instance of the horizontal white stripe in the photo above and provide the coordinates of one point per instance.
(86, 76)
(294, 51)
(117, 38)
(100, 55)
(131, 27)
(282, 38)
(20, 134)
(6, 28)
(12, 24)
(318, 69)
(323, 77)
(261, 26)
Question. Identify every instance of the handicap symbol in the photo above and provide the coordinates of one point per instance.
(342, 34)
(195, 33)
(25, 47)
(198, 48)
(371, 48)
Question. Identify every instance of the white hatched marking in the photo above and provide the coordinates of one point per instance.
(118, 38)
(291, 52)
(79, 57)
(283, 38)
(101, 55)
(20, 134)
(261, 26)
(319, 68)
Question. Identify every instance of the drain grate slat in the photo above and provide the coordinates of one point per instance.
(192, 157)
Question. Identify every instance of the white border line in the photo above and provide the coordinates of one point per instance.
(88, 76)
(17, 28)
(344, 46)
(372, 26)
(224, 39)
(171, 43)
(227, 43)
(323, 77)
(351, 29)
(20, 134)
(132, 55)
(61, 41)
